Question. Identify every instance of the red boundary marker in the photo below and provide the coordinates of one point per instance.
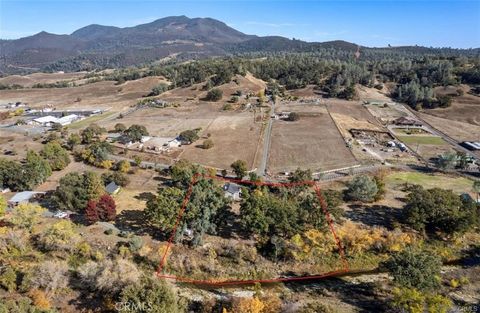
(345, 268)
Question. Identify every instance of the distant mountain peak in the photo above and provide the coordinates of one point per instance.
(98, 45)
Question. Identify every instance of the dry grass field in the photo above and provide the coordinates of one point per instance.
(234, 137)
(464, 108)
(247, 84)
(312, 142)
(234, 134)
(348, 115)
(42, 78)
(104, 94)
(459, 131)
(14, 146)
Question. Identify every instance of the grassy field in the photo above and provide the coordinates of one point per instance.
(457, 184)
(422, 140)
(90, 120)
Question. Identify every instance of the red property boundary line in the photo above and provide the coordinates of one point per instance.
(345, 268)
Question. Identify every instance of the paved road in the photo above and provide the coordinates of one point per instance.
(266, 144)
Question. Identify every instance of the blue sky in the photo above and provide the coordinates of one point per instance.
(371, 23)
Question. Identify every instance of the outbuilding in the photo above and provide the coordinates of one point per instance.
(112, 188)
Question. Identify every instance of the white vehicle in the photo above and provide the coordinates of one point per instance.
(60, 214)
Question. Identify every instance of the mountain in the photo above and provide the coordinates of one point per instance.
(98, 46)
(108, 46)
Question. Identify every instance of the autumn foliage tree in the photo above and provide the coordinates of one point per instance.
(102, 210)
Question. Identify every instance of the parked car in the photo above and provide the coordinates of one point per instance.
(60, 214)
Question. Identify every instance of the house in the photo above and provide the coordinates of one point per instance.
(232, 191)
(403, 121)
(112, 188)
(23, 197)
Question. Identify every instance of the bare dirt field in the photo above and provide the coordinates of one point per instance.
(234, 137)
(312, 142)
(348, 115)
(387, 113)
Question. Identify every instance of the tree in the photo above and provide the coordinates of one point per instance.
(50, 276)
(207, 144)
(135, 132)
(362, 188)
(3, 206)
(91, 133)
(153, 295)
(60, 236)
(75, 190)
(162, 210)
(438, 210)
(37, 170)
(380, 188)
(120, 127)
(292, 117)
(159, 89)
(97, 153)
(189, 136)
(476, 188)
(73, 140)
(240, 168)
(109, 276)
(123, 166)
(414, 269)
(106, 208)
(447, 161)
(102, 210)
(8, 279)
(26, 215)
(214, 94)
(56, 155)
(300, 175)
(12, 175)
(205, 205)
(137, 160)
(119, 178)
(91, 212)
(183, 171)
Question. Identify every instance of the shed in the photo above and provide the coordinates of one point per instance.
(112, 188)
(23, 197)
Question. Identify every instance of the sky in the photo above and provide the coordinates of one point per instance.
(369, 23)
